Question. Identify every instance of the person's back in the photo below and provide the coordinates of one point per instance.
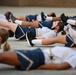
(63, 52)
(61, 55)
(44, 30)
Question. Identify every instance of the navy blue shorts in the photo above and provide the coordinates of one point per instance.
(21, 32)
(45, 24)
(31, 18)
(70, 41)
(30, 59)
(72, 17)
(11, 34)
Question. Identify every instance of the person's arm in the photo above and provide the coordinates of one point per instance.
(62, 66)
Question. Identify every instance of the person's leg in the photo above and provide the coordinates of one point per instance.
(27, 24)
(57, 39)
(18, 30)
(21, 18)
(11, 34)
(70, 41)
(9, 25)
(21, 32)
(28, 18)
(29, 21)
(36, 24)
(9, 58)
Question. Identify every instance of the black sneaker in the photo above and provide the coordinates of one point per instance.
(64, 18)
(43, 16)
(7, 15)
(13, 18)
(29, 38)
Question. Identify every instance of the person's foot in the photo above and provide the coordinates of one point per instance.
(64, 18)
(29, 38)
(7, 15)
(13, 18)
(43, 16)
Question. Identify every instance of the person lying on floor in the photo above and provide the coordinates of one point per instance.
(43, 28)
(68, 40)
(30, 18)
(57, 58)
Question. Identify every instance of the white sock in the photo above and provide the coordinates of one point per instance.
(37, 42)
(18, 22)
(70, 21)
(49, 18)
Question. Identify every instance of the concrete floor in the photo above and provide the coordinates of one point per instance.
(16, 44)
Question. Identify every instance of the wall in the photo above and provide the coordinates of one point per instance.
(41, 3)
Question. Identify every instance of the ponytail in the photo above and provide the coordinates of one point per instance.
(6, 46)
(63, 32)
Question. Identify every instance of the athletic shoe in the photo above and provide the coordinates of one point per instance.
(13, 18)
(7, 15)
(29, 38)
(43, 16)
(64, 18)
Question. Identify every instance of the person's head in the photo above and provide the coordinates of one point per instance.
(58, 26)
(51, 14)
(61, 26)
(3, 39)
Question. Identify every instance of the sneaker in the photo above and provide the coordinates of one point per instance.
(7, 15)
(29, 38)
(13, 18)
(43, 16)
(64, 18)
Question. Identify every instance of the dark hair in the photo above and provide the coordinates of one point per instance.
(53, 14)
(61, 26)
(63, 32)
(7, 15)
